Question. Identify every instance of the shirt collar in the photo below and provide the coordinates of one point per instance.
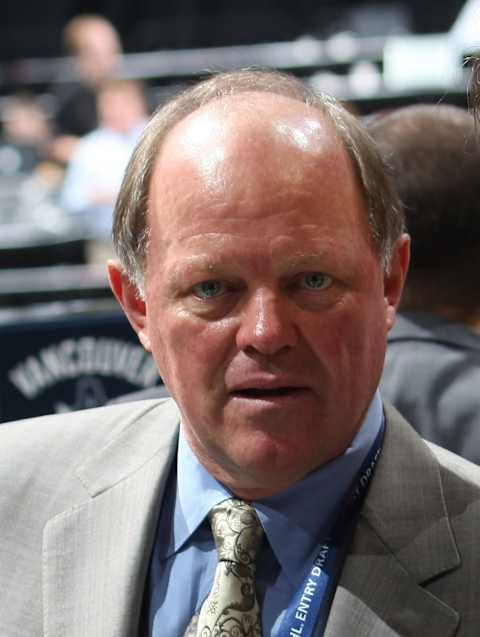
(195, 493)
(303, 513)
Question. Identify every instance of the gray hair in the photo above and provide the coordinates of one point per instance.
(130, 225)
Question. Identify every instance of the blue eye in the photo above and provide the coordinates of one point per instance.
(209, 289)
(316, 281)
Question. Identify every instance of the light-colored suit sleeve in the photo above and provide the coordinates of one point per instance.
(79, 499)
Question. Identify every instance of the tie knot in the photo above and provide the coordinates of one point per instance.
(237, 531)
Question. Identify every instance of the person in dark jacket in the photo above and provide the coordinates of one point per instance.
(432, 369)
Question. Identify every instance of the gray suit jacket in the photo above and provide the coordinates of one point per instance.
(80, 496)
(432, 376)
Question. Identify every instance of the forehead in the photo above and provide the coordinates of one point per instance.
(96, 35)
(249, 156)
(241, 123)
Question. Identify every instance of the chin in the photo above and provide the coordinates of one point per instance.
(268, 466)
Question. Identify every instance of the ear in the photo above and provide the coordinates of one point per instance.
(395, 278)
(129, 297)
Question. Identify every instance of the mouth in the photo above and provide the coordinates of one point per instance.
(257, 393)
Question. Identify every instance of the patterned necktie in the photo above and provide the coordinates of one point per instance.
(231, 608)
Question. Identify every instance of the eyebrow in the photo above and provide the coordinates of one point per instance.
(302, 259)
(205, 264)
(194, 264)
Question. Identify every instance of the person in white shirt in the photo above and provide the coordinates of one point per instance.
(95, 171)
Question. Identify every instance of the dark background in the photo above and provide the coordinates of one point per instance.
(31, 28)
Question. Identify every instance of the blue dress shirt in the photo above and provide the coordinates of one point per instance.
(184, 558)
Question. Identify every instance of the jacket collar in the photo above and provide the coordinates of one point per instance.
(403, 539)
(96, 556)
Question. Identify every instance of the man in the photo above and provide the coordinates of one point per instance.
(95, 170)
(96, 51)
(261, 260)
(432, 368)
(25, 134)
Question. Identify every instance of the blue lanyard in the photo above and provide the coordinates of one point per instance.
(309, 609)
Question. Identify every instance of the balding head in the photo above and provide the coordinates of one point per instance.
(131, 231)
(218, 138)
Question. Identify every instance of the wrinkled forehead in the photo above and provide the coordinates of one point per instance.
(252, 118)
(249, 160)
(220, 142)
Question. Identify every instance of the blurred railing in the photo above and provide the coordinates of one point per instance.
(349, 65)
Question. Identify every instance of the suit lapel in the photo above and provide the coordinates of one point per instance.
(403, 539)
(96, 556)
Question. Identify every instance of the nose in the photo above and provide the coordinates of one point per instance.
(267, 324)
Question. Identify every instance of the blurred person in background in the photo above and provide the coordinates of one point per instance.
(96, 167)
(96, 49)
(26, 132)
(432, 368)
(29, 180)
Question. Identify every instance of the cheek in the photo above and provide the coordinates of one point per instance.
(368, 342)
(350, 335)
(186, 348)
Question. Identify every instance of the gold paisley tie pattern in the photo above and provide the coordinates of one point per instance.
(231, 609)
